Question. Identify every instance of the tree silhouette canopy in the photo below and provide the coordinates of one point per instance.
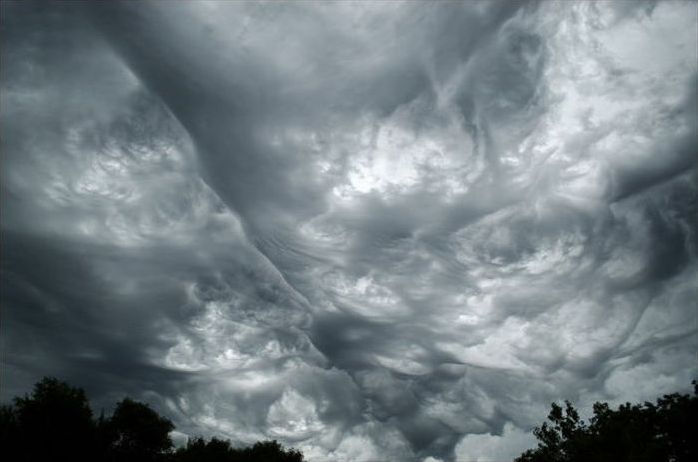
(135, 431)
(199, 450)
(55, 422)
(661, 432)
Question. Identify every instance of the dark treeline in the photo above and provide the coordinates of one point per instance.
(661, 432)
(55, 422)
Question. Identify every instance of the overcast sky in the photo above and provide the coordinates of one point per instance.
(370, 230)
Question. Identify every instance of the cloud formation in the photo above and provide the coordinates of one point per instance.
(373, 231)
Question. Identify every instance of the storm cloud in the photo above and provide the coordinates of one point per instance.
(369, 230)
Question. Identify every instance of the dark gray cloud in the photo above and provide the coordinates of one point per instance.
(375, 231)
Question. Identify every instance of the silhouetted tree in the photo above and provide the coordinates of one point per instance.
(53, 423)
(639, 433)
(216, 450)
(199, 450)
(271, 451)
(136, 433)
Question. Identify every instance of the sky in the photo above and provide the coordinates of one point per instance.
(372, 231)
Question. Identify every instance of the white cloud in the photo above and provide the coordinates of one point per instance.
(492, 448)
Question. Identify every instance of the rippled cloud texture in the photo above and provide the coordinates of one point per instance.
(370, 230)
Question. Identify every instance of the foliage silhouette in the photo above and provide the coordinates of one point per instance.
(640, 433)
(198, 450)
(215, 450)
(136, 433)
(55, 422)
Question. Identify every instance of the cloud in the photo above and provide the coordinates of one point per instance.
(510, 444)
(372, 231)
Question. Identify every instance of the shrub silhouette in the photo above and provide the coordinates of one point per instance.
(55, 422)
(640, 433)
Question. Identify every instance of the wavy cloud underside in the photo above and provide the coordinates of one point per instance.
(372, 231)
